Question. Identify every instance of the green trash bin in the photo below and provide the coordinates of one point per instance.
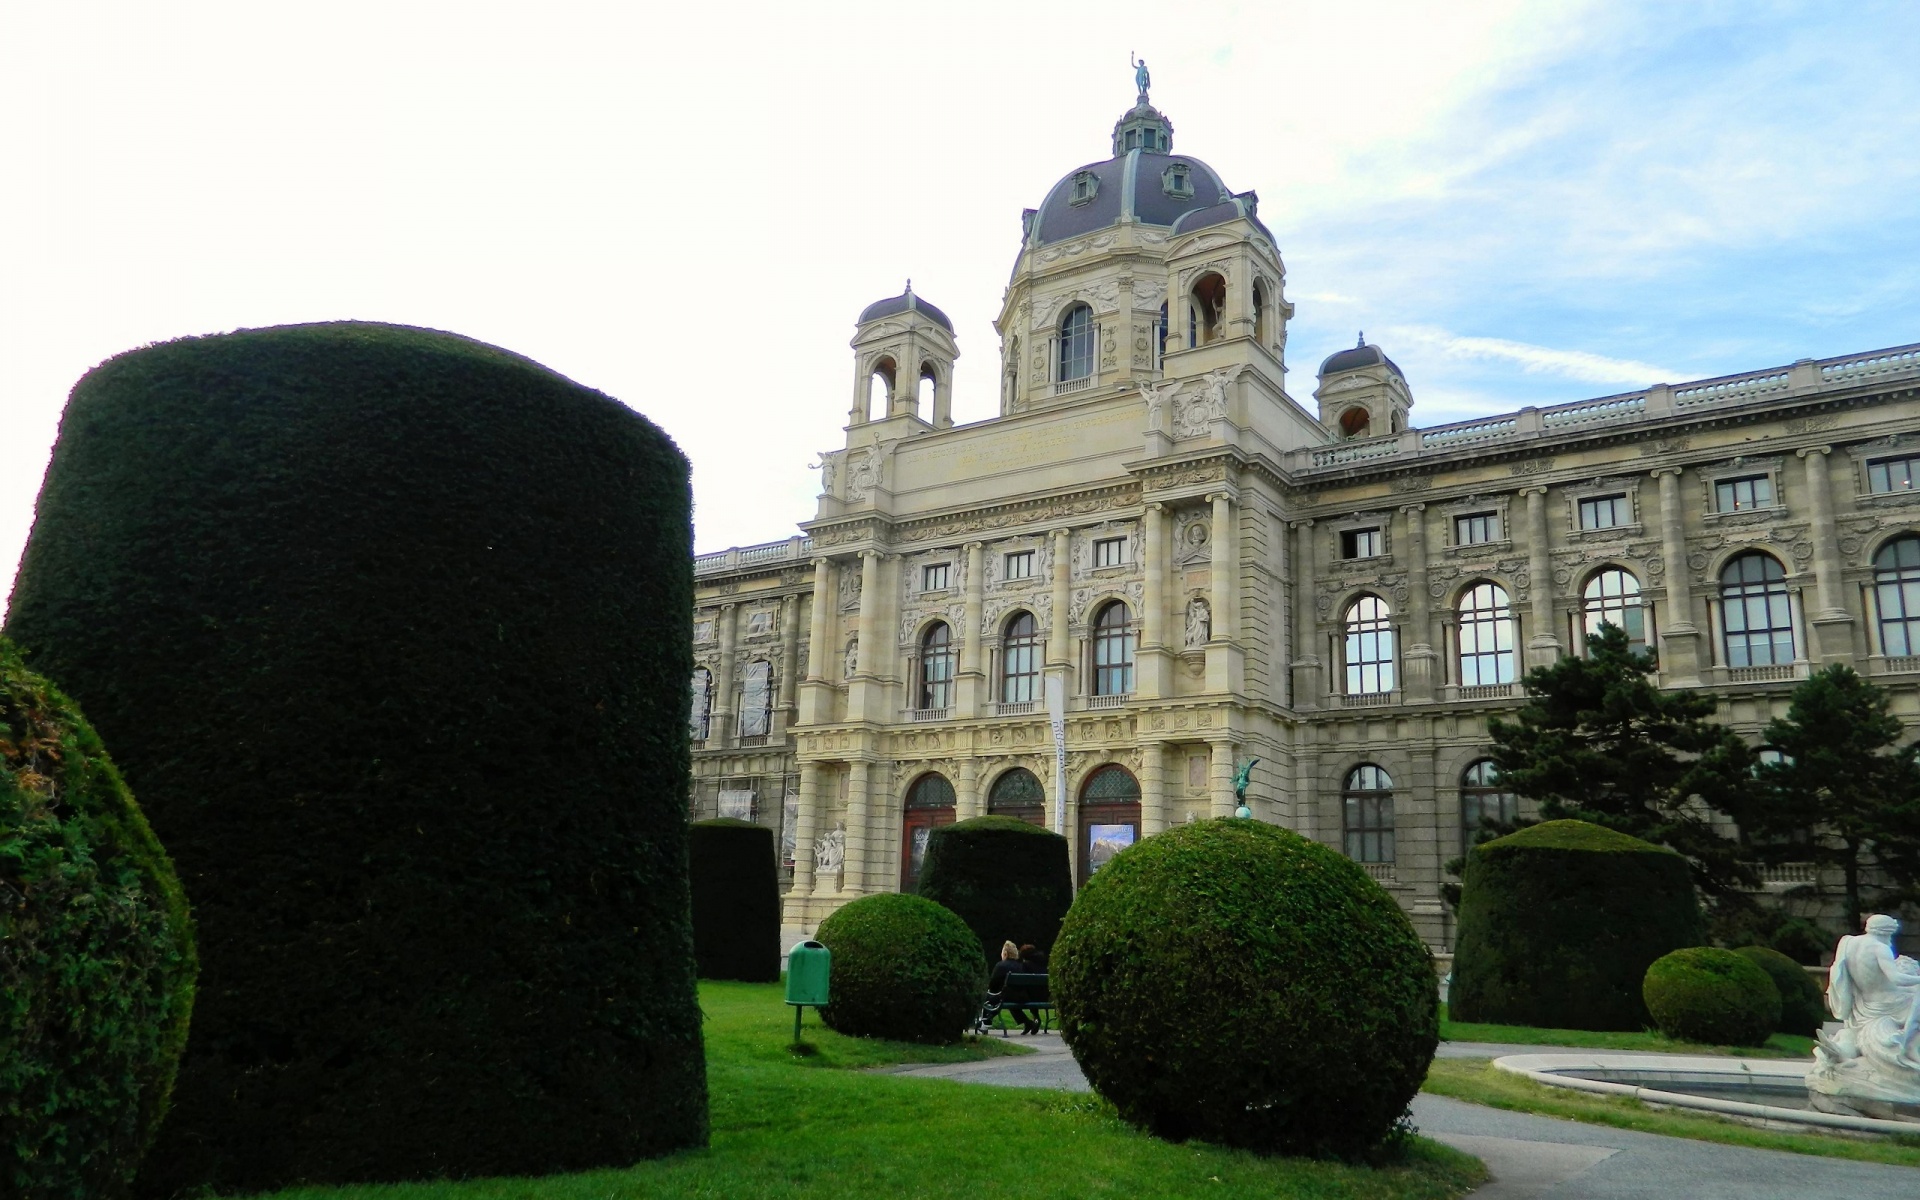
(808, 966)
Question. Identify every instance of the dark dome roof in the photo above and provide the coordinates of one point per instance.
(1246, 204)
(1130, 185)
(1359, 356)
(905, 302)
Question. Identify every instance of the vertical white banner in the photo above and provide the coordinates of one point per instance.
(1057, 714)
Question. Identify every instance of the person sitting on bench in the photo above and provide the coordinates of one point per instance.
(1010, 964)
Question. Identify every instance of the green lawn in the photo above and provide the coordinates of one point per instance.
(1780, 1045)
(790, 1126)
(1474, 1079)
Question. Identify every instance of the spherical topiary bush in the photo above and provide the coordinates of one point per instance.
(1802, 1008)
(1008, 880)
(1705, 994)
(390, 631)
(904, 968)
(1232, 981)
(96, 956)
(736, 900)
(1559, 922)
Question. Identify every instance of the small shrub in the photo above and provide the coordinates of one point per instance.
(1559, 922)
(1802, 1008)
(1802, 941)
(903, 968)
(96, 956)
(736, 900)
(1232, 981)
(1008, 880)
(1705, 994)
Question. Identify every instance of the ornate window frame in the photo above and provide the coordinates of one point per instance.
(1471, 506)
(1711, 477)
(1863, 454)
(1177, 180)
(1598, 489)
(1082, 188)
(1353, 523)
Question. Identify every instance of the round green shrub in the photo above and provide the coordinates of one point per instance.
(390, 631)
(1706, 994)
(736, 900)
(1008, 880)
(903, 968)
(96, 956)
(1231, 981)
(1802, 1007)
(1559, 922)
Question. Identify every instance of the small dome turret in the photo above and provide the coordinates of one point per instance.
(1362, 393)
(905, 302)
(1361, 355)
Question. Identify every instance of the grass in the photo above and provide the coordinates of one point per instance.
(1475, 1080)
(791, 1126)
(1780, 1045)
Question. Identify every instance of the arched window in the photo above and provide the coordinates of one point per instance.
(1369, 647)
(1160, 343)
(880, 389)
(1612, 597)
(923, 398)
(1076, 344)
(1754, 608)
(936, 666)
(1209, 307)
(1896, 588)
(1483, 799)
(1020, 660)
(930, 791)
(702, 712)
(1486, 636)
(1356, 423)
(1112, 651)
(1259, 313)
(1109, 816)
(756, 700)
(1017, 793)
(929, 805)
(1368, 799)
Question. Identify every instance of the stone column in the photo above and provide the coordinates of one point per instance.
(1679, 636)
(822, 657)
(967, 801)
(970, 687)
(1220, 778)
(1225, 657)
(864, 691)
(1155, 667)
(1833, 625)
(805, 829)
(1419, 657)
(1153, 788)
(720, 725)
(1059, 627)
(859, 797)
(789, 655)
(1306, 620)
(1543, 646)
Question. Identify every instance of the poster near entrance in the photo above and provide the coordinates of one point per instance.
(1105, 841)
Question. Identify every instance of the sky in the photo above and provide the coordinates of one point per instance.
(686, 207)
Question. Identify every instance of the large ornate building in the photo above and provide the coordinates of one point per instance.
(1214, 571)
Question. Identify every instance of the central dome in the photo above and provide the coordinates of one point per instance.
(1143, 181)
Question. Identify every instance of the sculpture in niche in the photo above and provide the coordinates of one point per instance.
(1875, 993)
(830, 855)
(853, 656)
(1199, 622)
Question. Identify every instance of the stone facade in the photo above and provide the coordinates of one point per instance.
(1214, 572)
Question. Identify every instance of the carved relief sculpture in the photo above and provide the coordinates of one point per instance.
(1199, 622)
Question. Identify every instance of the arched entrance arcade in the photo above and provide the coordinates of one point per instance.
(929, 805)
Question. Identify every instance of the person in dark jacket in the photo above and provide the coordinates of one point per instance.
(997, 985)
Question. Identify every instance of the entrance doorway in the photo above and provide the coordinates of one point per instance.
(1017, 793)
(1109, 816)
(929, 806)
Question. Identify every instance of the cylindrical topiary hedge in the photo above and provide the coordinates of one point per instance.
(1803, 1009)
(390, 631)
(1705, 994)
(736, 900)
(1232, 981)
(96, 956)
(1008, 880)
(903, 968)
(1559, 922)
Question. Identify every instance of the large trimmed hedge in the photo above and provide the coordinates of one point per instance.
(1705, 994)
(1232, 981)
(1008, 880)
(1803, 1009)
(390, 631)
(1559, 923)
(96, 956)
(904, 968)
(736, 900)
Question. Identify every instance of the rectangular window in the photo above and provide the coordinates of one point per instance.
(703, 631)
(1020, 565)
(933, 577)
(759, 623)
(1474, 528)
(1604, 512)
(1744, 494)
(1110, 552)
(1360, 543)
(1892, 474)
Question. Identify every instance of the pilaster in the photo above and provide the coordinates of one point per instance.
(1419, 658)
(859, 841)
(720, 724)
(1679, 635)
(971, 682)
(1832, 624)
(816, 696)
(1155, 667)
(1543, 644)
(1226, 660)
(1306, 636)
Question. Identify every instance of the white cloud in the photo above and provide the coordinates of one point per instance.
(1532, 360)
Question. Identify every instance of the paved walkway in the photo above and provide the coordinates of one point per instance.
(1533, 1156)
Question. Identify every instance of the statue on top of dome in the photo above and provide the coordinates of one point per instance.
(1141, 78)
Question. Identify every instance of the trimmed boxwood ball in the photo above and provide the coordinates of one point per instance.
(1706, 994)
(1803, 1009)
(1232, 981)
(96, 955)
(1008, 880)
(1559, 922)
(904, 968)
(736, 900)
(390, 631)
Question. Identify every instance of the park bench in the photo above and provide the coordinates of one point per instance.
(1024, 990)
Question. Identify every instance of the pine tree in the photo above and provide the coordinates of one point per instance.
(1843, 794)
(1599, 741)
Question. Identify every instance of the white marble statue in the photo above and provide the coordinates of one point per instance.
(1875, 994)
(830, 857)
(1199, 622)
